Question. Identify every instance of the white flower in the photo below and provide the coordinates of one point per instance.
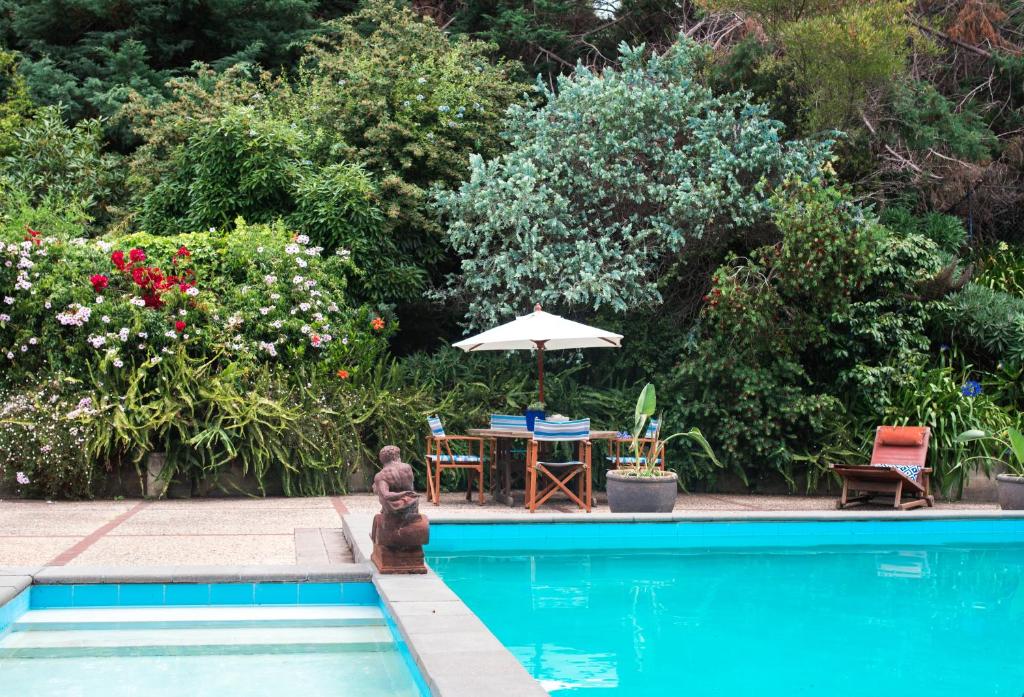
(422, 80)
(259, 250)
(105, 319)
(99, 299)
(25, 263)
(96, 340)
(182, 313)
(265, 311)
(171, 334)
(10, 355)
(301, 262)
(142, 347)
(192, 291)
(118, 363)
(213, 229)
(24, 348)
(138, 302)
(154, 360)
(306, 329)
(344, 340)
(304, 307)
(104, 246)
(48, 305)
(292, 249)
(344, 254)
(270, 279)
(277, 324)
(302, 239)
(33, 341)
(5, 318)
(298, 280)
(22, 478)
(75, 315)
(275, 296)
(314, 251)
(123, 334)
(143, 335)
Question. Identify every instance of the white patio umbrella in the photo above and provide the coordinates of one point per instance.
(541, 331)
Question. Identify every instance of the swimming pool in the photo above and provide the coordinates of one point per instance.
(844, 609)
(253, 639)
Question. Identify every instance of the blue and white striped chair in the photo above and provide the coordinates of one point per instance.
(506, 422)
(440, 457)
(560, 474)
(650, 448)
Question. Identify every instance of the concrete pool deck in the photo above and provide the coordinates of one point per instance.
(289, 532)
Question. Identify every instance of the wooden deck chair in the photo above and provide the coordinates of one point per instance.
(560, 475)
(897, 468)
(441, 457)
(507, 422)
(650, 448)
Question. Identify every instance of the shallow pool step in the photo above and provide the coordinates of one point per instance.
(170, 617)
(176, 641)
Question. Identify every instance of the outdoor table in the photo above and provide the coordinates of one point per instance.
(501, 486)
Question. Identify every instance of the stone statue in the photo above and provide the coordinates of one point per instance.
(399, 531)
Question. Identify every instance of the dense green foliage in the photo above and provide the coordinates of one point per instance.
(803, 217)
(613, 179)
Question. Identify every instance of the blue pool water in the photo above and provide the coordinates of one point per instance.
(216, 640)
(770, 609)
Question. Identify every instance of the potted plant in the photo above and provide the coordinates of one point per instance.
(1009, 486)
(533, 412)
(643, 487)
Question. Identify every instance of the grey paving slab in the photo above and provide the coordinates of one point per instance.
(205, 519)
(22, 551)
(147, 550)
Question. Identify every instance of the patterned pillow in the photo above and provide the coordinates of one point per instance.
(909, 471)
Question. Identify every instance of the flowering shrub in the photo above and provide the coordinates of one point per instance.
(41, 441)
(213, 347)
(258, 294)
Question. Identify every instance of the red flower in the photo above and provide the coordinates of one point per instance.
(179, 326)
(118, 259)
(183, 252)
(183, 287)
(153, 301)
(98, 281)
(315, 340)
(137, 255)
(343, 374)
(33, 233)
(141, 277)
(377, 323)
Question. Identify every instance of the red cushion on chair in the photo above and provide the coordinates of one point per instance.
(912, 436)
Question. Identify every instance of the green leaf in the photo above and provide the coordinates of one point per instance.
(971, 435)
(1017, 445)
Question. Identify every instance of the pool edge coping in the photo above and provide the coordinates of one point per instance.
(726, 516)
(442, 634)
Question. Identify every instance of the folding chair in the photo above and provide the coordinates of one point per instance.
(441, 457)
(648, 444)
(560, 475)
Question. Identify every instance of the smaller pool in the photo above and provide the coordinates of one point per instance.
(253, 639)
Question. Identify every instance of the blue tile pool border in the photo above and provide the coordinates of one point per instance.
(458, 536)
(52, 596)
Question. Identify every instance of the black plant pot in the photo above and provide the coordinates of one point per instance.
(628, 494)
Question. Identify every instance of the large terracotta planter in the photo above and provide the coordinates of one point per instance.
(627, 494)
(1010, 489)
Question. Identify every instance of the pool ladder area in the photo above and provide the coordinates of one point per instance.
(192, 630)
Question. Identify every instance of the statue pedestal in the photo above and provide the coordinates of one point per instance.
(398, 549)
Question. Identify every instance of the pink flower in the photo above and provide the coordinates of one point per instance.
(315, 340)
(22, 478)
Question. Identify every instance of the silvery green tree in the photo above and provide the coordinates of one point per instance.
(613, 181)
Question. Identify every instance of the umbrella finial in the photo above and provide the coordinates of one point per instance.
(536, 308)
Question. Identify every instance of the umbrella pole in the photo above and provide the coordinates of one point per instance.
(540, 369)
